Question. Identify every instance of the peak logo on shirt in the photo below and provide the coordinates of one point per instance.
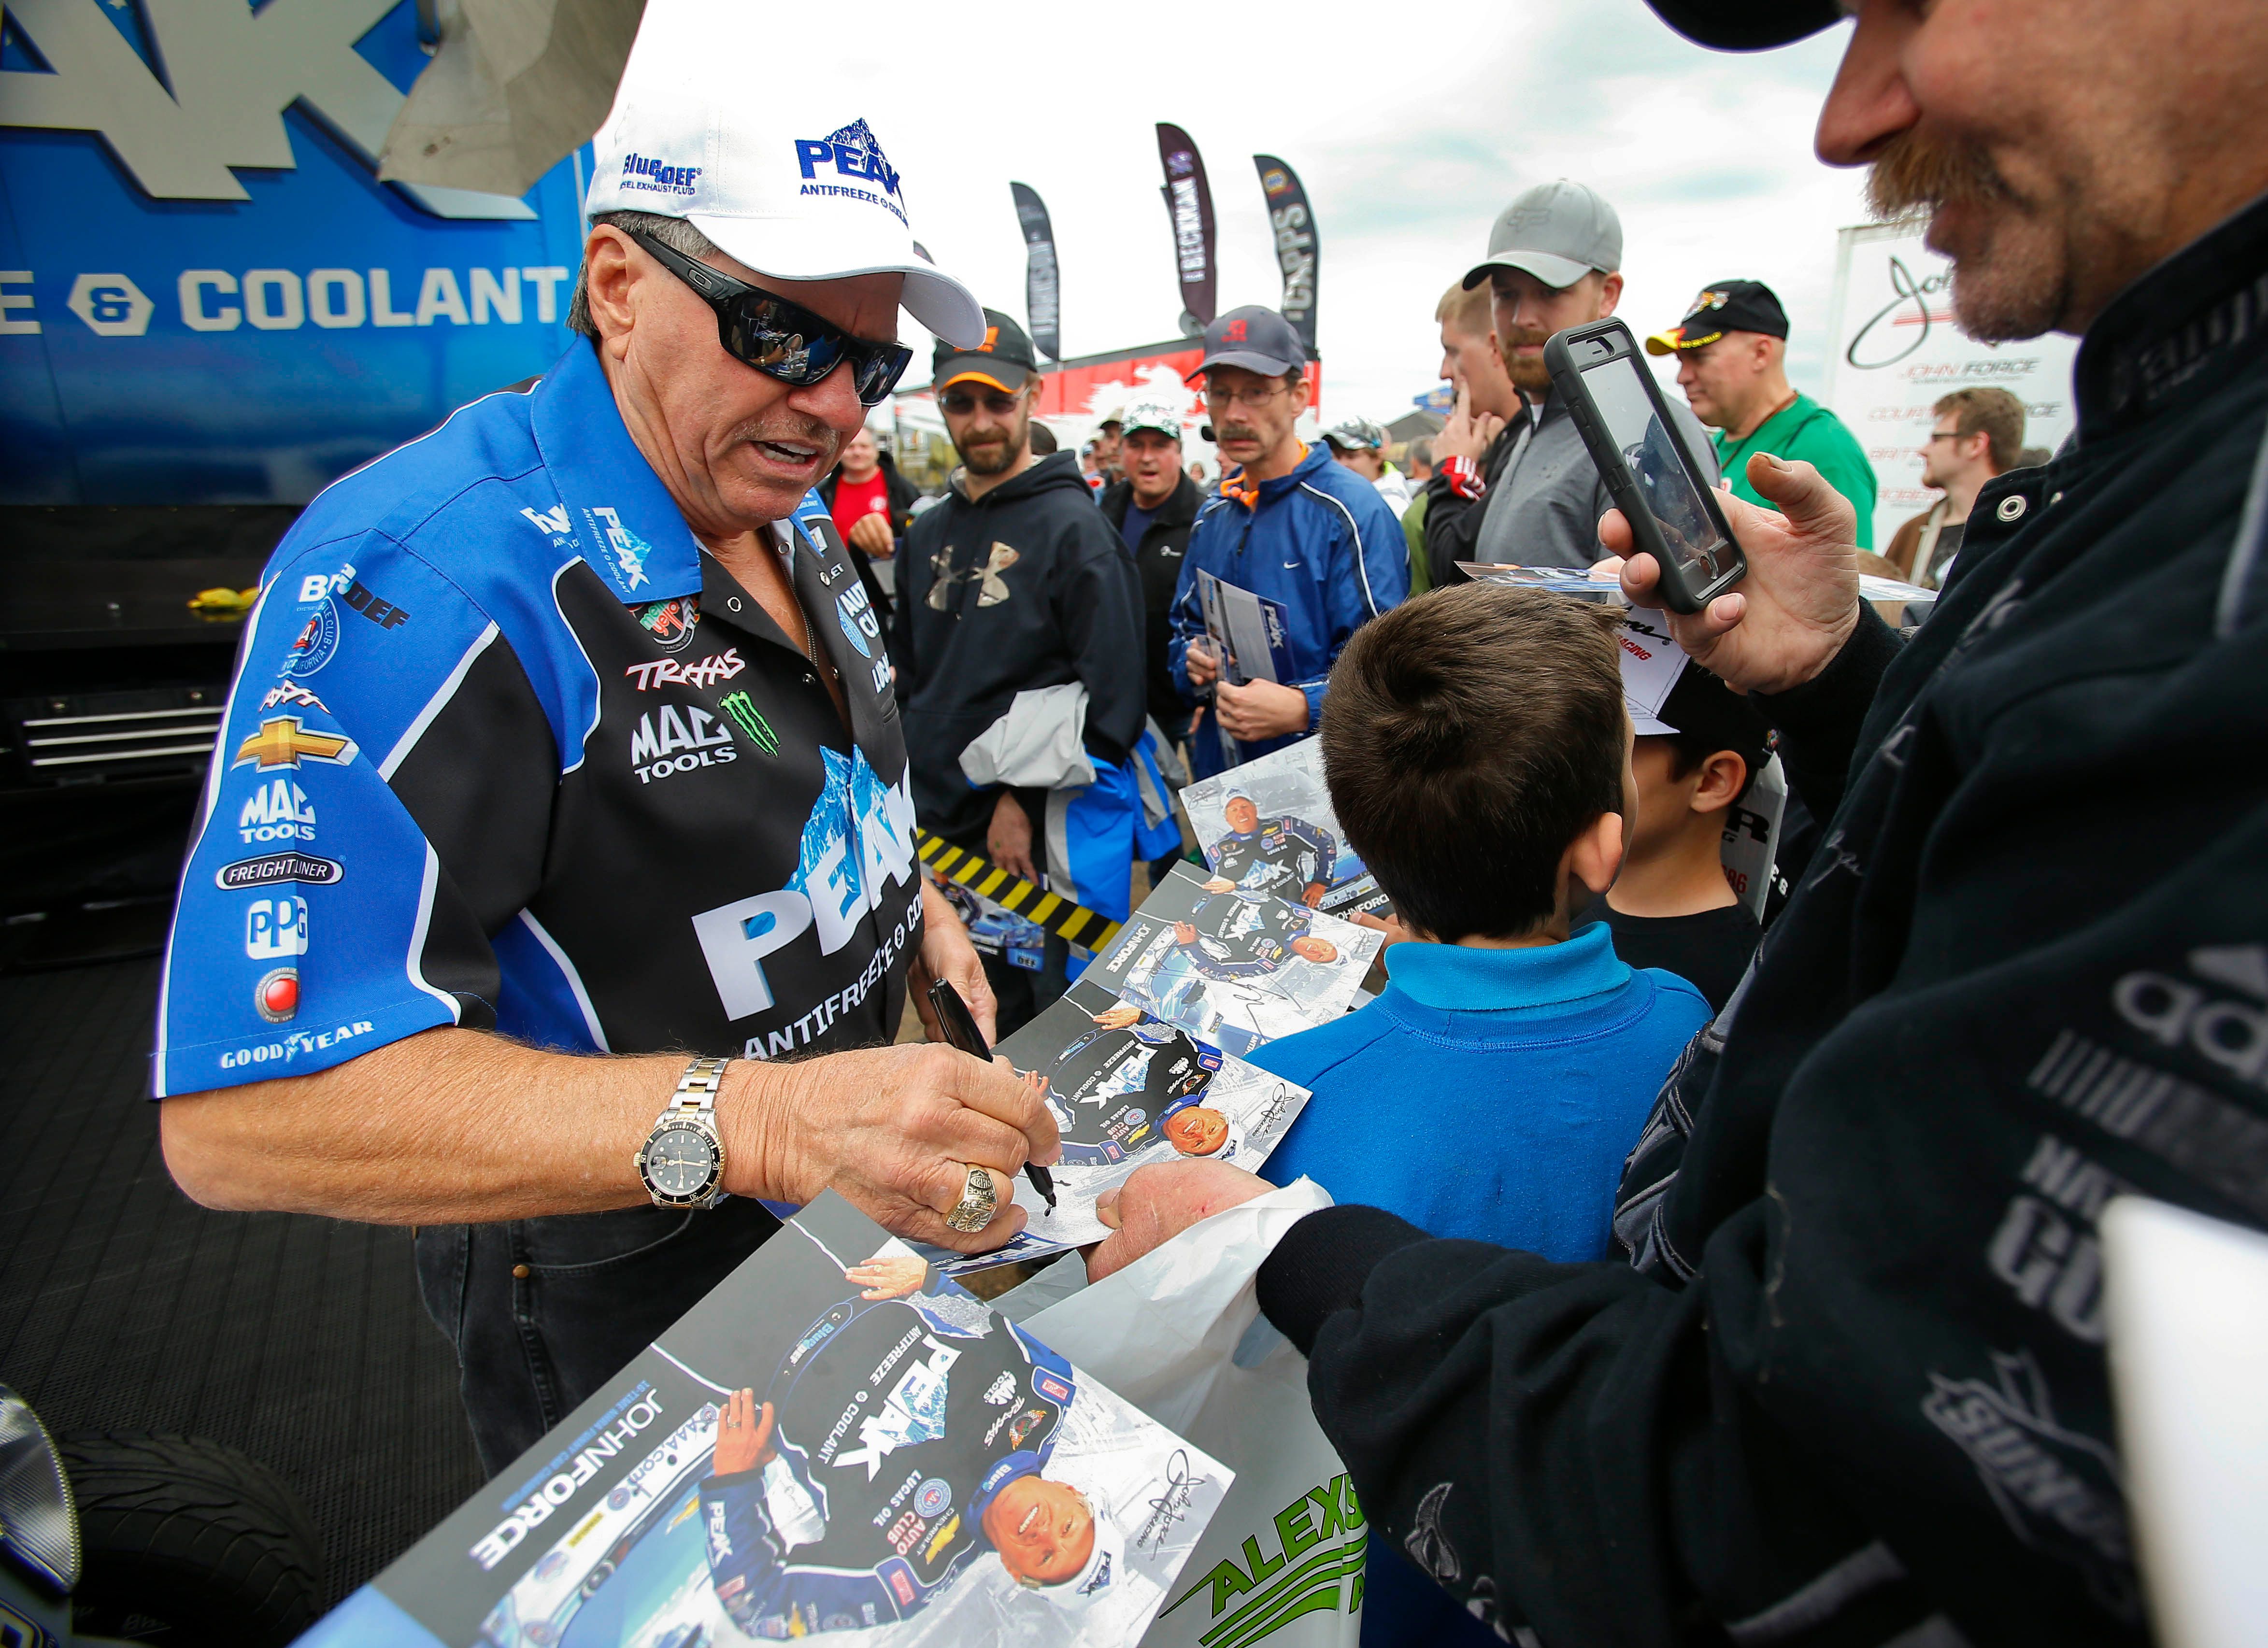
(628, 549)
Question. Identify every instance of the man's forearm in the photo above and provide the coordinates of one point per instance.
(449, 1126)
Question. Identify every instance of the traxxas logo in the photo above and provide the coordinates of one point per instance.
(718, 667)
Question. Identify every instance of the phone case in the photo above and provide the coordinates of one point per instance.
(1679, 592)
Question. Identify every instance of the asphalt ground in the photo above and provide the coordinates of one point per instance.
(124, 1305)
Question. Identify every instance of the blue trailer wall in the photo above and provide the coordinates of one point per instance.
(201, 350)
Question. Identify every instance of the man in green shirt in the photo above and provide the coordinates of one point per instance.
(1732, 362)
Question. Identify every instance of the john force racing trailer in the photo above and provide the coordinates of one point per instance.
(209, 309)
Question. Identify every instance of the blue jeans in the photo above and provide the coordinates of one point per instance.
(543, 1312)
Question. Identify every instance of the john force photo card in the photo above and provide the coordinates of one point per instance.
(1234, 968)
(838, 1442)
(1126, 1088)
(1268, 827)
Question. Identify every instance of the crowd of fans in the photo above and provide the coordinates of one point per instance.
(1696, 1275)
(1504, 481)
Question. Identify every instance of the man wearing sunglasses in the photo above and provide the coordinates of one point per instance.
(1016, 587)
(564, 744)
(1288, 524)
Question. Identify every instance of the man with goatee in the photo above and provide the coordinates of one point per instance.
(1554, 261)
(1013, 583)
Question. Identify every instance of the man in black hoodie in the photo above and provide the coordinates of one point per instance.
(1853, 1390)
(1013, 582)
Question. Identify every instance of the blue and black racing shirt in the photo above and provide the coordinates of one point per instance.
(507, 749)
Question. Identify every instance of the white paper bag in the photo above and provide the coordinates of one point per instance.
(1179, 1334)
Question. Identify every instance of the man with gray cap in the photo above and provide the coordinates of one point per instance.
(1554, 261)
(578, 725)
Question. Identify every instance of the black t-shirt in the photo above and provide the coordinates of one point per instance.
(1709, 951)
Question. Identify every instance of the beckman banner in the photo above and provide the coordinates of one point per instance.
(1297, 248)
(1042, 289)
(1188, 202)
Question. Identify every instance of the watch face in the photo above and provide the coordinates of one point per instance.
(680, 1161)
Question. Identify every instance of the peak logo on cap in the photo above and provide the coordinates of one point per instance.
(1233, 332)
(644, 174)
(992, 341)
(852, 152)
(1707, 300)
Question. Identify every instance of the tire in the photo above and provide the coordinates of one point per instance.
(189, 1543)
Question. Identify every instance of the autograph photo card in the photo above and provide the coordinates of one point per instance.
(1234, 968)
(838, 1442)
(1127, 1088)
(1268, 827)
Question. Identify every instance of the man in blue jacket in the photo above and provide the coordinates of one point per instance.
(1289, 525)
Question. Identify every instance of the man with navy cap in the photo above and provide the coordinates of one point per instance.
(1288, 524)
(577, 725)
(1554, 261)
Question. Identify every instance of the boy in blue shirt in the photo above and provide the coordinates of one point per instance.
(1478, 757)
(1478, 753)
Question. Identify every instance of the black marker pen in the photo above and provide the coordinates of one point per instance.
(961, 1030)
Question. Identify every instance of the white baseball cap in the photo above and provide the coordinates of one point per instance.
(797, 198)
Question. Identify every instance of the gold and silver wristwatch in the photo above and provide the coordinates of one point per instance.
(682, 1163)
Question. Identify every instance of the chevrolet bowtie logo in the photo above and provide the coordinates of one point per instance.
(281, 743)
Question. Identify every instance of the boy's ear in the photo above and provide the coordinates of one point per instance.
(1596, 857)
(1719, 783)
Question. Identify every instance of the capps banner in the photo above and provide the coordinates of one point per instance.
(1189, 202)
(1895, 351)
(1297, 248)
(1042, 289)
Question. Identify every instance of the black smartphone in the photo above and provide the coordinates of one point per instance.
(1672, 510)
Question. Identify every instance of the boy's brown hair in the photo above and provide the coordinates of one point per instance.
(1468, 737)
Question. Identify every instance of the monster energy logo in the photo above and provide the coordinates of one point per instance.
(742, 709)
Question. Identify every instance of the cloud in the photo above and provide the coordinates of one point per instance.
(1409, 128)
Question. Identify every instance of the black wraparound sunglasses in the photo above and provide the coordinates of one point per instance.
(780, 339)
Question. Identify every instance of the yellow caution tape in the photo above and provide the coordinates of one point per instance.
(1074, 923)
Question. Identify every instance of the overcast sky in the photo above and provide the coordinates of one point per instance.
(1409, 144)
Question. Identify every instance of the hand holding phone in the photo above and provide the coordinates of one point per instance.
(1799, 601)
(1664, 494)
